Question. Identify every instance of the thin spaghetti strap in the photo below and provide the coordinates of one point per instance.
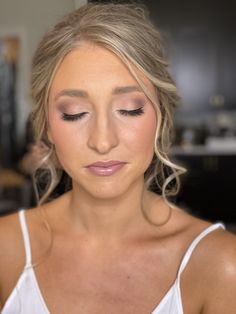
(195, 243)
(25, 234)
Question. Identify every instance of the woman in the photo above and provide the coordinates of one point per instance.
(104, 103)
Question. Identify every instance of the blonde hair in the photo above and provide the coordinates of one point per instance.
(126, 30)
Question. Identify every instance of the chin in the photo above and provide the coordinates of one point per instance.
(105, 190)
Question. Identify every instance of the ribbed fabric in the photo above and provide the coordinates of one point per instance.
(26, 297)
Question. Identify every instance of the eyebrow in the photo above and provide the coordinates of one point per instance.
(83, 94)
(126, 89)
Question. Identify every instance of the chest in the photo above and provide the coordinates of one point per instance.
(89, 283)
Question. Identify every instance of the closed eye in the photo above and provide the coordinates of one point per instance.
(78, 116)
(135, 112)
(73, 117)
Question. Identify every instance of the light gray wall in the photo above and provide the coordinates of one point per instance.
(30, 19)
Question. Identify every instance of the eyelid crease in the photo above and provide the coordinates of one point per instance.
(63, 106)
(124, 112)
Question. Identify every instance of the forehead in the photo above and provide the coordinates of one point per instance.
(90, 66)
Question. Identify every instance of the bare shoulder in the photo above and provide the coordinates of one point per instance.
(220, 251)
(11, 252)
(214, 261)
(217, 246)
(10, 234)
(211, 272)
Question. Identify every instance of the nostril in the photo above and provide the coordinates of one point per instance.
(103, 141)
(103, 134)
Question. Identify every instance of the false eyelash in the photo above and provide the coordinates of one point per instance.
(135, 112)
(77, 116)
(73, 117)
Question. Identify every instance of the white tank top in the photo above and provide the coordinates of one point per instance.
(26, 297)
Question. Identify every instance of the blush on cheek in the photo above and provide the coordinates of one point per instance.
(68, 143)
(59, 130)
(146, 133)
(64, 142)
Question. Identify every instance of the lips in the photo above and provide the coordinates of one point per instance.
(105, 164)
(105, 168)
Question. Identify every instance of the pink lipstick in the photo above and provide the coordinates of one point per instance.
(105, 168)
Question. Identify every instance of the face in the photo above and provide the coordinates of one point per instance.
(101, 123)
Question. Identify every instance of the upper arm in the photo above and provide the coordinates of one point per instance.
(220, 290)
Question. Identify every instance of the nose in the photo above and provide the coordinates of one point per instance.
(103, 135)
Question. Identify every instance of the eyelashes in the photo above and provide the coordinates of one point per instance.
(78, 116)
(135, 112)
(73, 117)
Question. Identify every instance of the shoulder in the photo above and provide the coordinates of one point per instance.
(218, 246)
(9, 232)
(10, 235)
(215, 263)
(11, 250)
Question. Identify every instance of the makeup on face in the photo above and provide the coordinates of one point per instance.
(101, 122)
(105, 168)
(73, 107)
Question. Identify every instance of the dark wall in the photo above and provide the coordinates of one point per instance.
(202, 49)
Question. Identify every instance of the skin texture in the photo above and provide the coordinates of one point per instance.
(106, 258)
(102, 134)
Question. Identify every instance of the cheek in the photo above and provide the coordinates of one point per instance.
(64, 136)
(143, 136)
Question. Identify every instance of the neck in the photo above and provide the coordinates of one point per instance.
(108, 219)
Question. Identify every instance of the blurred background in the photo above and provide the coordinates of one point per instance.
(200, 38)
